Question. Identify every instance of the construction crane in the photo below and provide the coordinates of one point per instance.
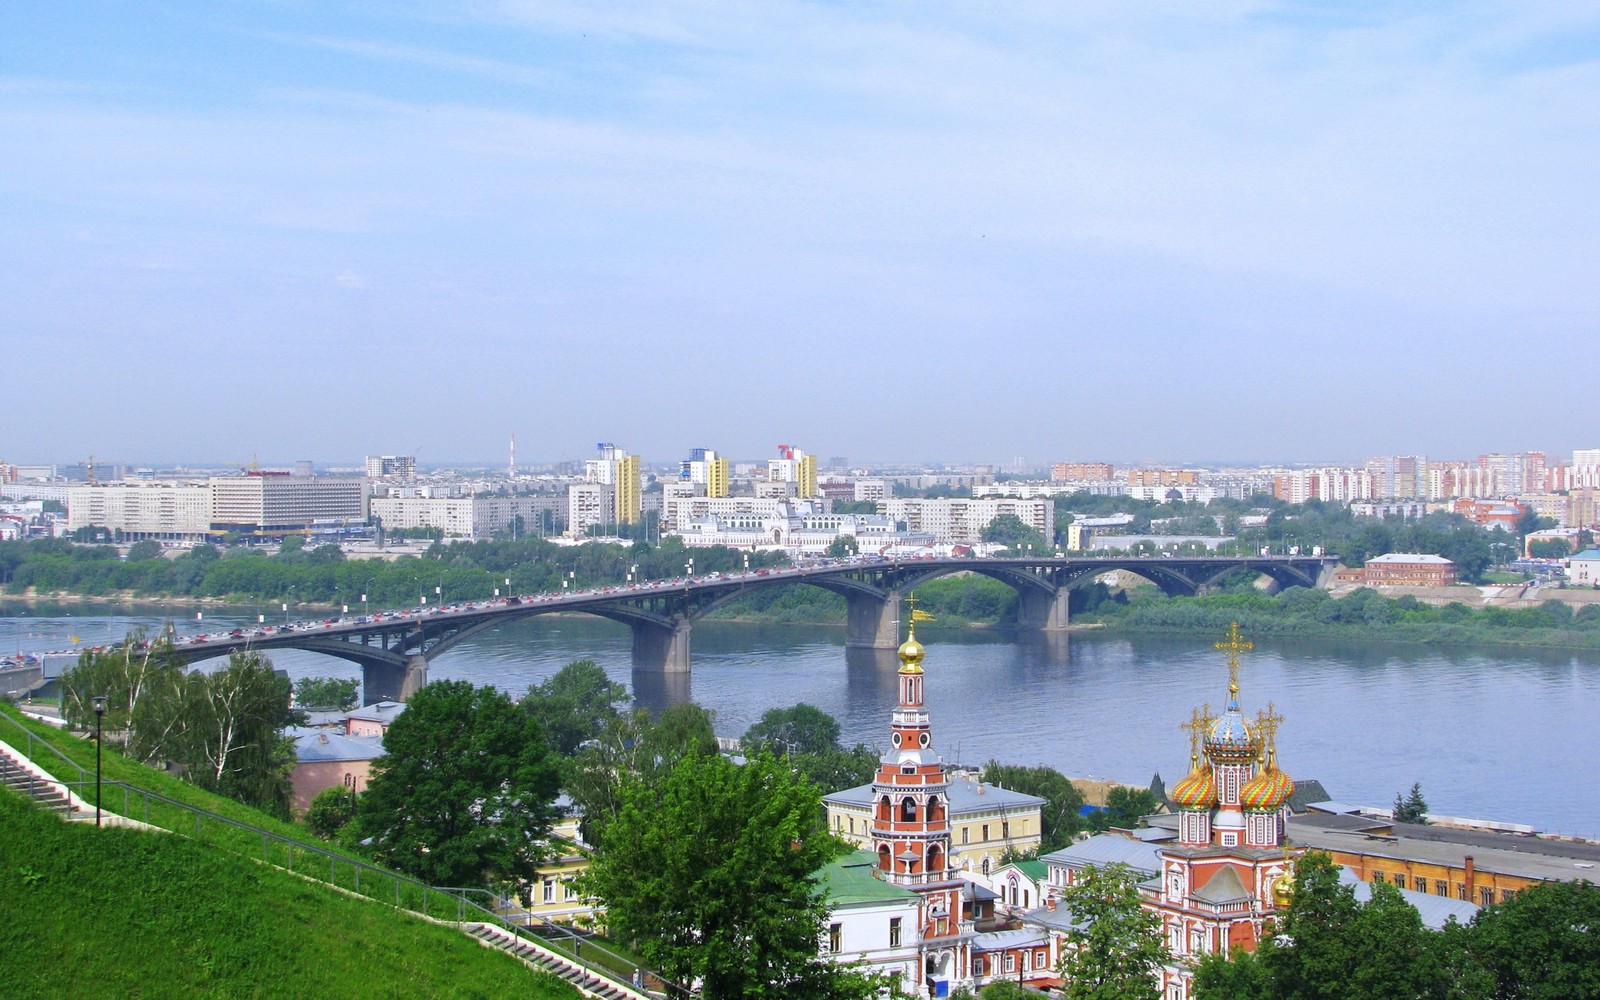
(88, 463)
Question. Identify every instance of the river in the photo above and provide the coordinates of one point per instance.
(1503, 734)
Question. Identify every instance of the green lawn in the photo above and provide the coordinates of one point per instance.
(126, 913)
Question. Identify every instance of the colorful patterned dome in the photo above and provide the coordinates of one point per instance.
(1231, 740)
(1197, 791)
(1267, 791)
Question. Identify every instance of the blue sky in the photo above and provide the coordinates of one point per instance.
(1171, 231)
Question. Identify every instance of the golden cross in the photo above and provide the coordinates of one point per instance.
(1233, 647)
(1199, 722)
(1267, 722)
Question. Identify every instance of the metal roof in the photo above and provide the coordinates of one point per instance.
(965, 796)
(322, 745)
(1108, 849)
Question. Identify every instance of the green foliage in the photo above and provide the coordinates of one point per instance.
(1059, 818)
(330, 811)
(632, 750)
(1006, 990)
(1413, 808)
(1124, 808)
(807, 740)
(463, 794)
(1549, 548)
(1117, 949)
(1236, 976)
(1012, 532)
(713, 873)
(575, 704)
(170, 916)
(1541, 944)
(1364, 613)
(146, 549)
(800, 729)
(842, 547)
(225, 729)
(331, 693)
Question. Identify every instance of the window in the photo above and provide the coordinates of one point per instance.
(985, 833)
(977, 965)
(1461, 890)
(986, 866)
(1485, 895)
(1441, 887)
(570, 892)
(1378, 877)
(1005, 829)
(966, 834)
(894, 932)
(1506, 894)
(1040, 960)
(835, 938)
(1027, 961)
(549, 890)
(908, 810)
(1011, 962)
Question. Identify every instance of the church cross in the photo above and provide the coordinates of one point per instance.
(1233, 646)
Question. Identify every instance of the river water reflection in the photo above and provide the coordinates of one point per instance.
(1507, 734)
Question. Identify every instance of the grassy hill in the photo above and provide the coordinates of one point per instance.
(125, 913)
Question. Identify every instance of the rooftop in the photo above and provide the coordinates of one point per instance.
(966, 796)
(852, 880)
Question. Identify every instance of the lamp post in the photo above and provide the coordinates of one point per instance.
(99, 721)
(363, 603)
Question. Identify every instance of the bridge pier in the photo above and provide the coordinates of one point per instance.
(1041, 610)
(872, 621)
(393, 681)
(661, 648)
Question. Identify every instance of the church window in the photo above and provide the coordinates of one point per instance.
(894, 932)
(1230, 840)
(986, 868)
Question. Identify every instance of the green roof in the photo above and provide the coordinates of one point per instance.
(1033, 868)
(851, 880)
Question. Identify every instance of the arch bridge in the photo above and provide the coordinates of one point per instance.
(394, 648)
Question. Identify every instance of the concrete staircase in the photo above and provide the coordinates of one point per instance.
(45, 792)
(586, 981)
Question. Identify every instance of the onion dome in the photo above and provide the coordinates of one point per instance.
(1197, 791)
(1231, 740)
(1267, 791)
(911, 654)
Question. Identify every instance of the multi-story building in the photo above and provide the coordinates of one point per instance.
(391, 467)
(707, 470)
(1163, 477)
(1409, 569)
(1075, 472)
(620, 471)
(277, 504)
(794, 466)
(590, 505)
(140, 509)
(682, 507)
(961, 521)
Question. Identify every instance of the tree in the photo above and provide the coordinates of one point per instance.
(1549, 548)
(575, 704)
(232, 738)
(145, 549)
(1115, 948)
(330, 693)
(1010, 530)
(1060, 816)
(1543, 943)
(843, 547)
(1236, 976)
(1413, 808)
(713, 876)
(1124, 808)
(801, 729)
(463, 793)
(330, 811)
(633, 750)
(1317, 951)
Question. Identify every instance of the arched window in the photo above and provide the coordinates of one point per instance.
(935, 861)
(884, 862)
(885, 810)
(986, 866)
(908, 810)
(935, 809)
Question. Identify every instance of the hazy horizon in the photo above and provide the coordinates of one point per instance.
(1257, 227)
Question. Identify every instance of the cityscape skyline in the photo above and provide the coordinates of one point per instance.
(1256, 231)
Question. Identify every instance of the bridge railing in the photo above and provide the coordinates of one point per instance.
(445, 903)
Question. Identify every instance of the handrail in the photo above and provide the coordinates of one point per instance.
(83, 772)
(402, 900)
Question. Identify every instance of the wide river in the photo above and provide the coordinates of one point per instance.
(1503, 734)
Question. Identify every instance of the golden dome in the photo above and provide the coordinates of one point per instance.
(911, 654)
(1283, 891)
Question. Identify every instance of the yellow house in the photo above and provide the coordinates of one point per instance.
(553, 894)
(986, 821)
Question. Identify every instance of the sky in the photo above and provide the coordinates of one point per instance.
(1241, 230)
